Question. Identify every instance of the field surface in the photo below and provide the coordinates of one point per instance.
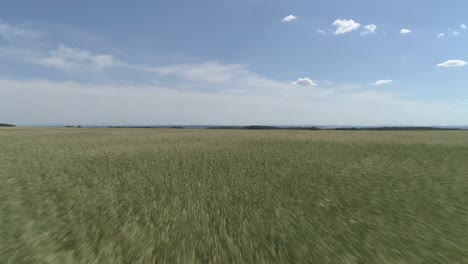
(232, 196)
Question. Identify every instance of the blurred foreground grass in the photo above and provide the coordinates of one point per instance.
(214, 196)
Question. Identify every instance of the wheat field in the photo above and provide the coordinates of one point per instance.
(232, 196)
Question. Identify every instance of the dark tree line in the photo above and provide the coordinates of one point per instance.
(6, 125)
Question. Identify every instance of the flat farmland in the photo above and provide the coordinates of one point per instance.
(232, 196)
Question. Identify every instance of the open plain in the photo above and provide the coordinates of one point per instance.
(231, 196)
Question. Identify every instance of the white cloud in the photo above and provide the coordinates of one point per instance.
(463, 26)
(369, 29)
(305, 82)
(405, 31)
(440, 35)
(452, 63)
(289, 18)
(320, 31)
(382, 82)
(344, 26)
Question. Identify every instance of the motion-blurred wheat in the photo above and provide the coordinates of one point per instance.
(202, 196)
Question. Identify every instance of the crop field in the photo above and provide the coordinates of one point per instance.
(232, 196)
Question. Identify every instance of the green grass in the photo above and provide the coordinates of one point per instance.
(201, 196)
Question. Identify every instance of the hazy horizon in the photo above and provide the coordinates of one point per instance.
(103, 125)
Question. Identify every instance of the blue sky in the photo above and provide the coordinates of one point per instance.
(234, 62)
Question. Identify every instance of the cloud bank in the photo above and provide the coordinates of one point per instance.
(39, 102)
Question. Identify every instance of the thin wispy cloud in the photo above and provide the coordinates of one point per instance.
(453, 32)
(382, 82)
(452, 63)
(10, 32)
(344, 26)
(67, 58)
(210, 72)
(463, 26)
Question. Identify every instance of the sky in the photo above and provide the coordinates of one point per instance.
(244, 62)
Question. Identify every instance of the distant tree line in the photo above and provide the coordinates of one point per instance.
(178, 127)
(256, 127)
(261, 127)
(395, 128)
(6, 125)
